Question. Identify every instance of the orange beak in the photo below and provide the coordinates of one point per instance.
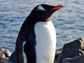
(57, 7)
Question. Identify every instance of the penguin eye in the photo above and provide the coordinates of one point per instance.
(40, 8)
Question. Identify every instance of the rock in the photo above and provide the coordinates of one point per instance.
(4, 55)
(58, 51)
(79, 59)
(72, 52)
(4, 60)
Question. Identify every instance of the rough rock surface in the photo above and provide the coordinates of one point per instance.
(4, 55)
(72, 52)
(79, 59)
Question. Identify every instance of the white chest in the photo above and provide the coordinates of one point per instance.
(45, 42)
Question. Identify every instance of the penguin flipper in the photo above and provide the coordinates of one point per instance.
(30, 53)
(23, 34)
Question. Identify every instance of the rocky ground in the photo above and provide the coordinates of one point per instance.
(5, 55)
(72, 52)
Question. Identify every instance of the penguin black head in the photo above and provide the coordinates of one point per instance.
(43, 11)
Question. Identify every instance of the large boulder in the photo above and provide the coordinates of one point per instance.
(72, 52)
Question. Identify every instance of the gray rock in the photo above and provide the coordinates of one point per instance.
(4, 60)
(72, 51)
(79, 59)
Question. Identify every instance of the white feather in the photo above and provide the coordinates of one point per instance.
(41, 8)
(45, 42)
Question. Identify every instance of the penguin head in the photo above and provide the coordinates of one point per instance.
(43, 11)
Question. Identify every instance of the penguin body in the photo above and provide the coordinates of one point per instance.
(45, 42)
(42, 45)
(39, 34)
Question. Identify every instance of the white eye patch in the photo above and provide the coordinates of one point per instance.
(40, 8)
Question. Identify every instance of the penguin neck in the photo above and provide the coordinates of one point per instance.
(41, 20)
(46, 20)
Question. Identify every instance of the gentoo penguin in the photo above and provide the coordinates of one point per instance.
(39, 35)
